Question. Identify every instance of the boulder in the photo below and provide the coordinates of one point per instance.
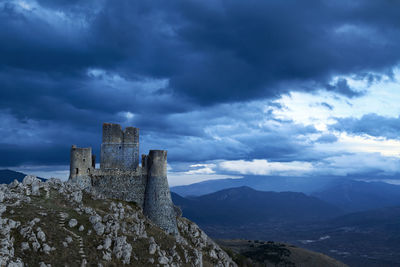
(29, 179)
(72, 223)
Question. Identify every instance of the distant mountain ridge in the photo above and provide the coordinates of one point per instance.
(353, 196)
(305, 185)
(244, 205)
(8, 176)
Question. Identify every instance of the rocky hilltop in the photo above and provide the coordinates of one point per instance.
(55, 223)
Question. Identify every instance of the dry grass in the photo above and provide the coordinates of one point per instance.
(256, 253)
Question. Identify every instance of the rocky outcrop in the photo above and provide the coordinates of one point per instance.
(53, 222)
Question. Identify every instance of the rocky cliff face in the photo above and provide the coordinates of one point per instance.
(54, 223)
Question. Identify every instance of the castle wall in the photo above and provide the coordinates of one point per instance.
(121, 177)
(119, 184)
(120, 149)
(119, 156)
(158, 206)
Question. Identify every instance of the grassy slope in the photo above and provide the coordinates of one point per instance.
(264, 254)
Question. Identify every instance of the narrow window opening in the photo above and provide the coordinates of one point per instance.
(88, 170)
(84, 160)
(77, 171)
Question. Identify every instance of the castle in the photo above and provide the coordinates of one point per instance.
(121, 177)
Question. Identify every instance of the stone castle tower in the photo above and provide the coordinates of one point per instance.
(120, 149)
(121, 177)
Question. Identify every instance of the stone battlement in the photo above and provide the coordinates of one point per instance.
(121, 177)
(113, 133)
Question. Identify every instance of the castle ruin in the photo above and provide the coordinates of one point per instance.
(121, 177)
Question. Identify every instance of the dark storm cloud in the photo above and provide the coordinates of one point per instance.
(234, 50)
(327, 138)
(80, 63)
(342, 87)
(38, 154)
(371, 124)
(213, 51)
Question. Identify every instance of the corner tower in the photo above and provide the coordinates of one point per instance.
(120, 148)
(158, 206)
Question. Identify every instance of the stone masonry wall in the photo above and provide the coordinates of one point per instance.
(119, 184)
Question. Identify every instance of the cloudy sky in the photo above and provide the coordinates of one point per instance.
(229, 88)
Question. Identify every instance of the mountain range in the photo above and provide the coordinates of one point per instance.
(351, 196)
(305, 185)
(244, 205)
(346, 194)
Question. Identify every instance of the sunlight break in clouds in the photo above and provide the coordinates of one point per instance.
(196, 173)
(182, 178)
(201, 169)
(362, 144)
(367, 163)
(321, 108)
(263, 167)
